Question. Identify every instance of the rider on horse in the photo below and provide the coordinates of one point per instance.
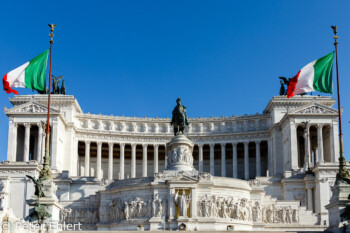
(179, 120)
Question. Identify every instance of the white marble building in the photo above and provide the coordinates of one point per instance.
(106, 165)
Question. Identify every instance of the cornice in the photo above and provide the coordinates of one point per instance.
(298, 101)
(163, 139)
(88, 115)
(56, 100)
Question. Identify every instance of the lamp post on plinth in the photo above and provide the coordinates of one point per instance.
(46, 206)
(45, 172)
(343, 174)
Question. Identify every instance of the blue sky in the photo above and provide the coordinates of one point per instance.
(136, 57)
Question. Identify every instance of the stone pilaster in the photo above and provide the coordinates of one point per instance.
(12, 142)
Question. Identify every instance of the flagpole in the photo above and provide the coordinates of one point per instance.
(46, 173)
(342, 173)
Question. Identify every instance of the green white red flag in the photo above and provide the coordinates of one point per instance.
(30, 75)
(315, 76)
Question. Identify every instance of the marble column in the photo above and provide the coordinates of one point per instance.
(269, 158)
(320, 143)
(246, 160)
(110, 160)
(200, 157)
(43, 144)
(223, 159)
(121, 161)
(133, 160)
(307, 147)
(234, 159)
(155, 146)
(13, 146)
(212, 162)
(144, 160)
(258, 162)
(292, 146)
(40, 138)
(99, 161)
(165, 158)
(26, 142)
(87, 158)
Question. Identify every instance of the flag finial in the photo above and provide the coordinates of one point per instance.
(52, 26)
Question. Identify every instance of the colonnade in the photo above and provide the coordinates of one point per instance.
(98, 173)
(317, 146)
(40, 147)
(122, 160)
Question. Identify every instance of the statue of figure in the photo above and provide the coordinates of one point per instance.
(160, 208)
(182, 202)
(40, 212)
(38, 184)
(179, 119)
(126, 210)
(63, 88)
(284, 81)
(282, 89)
(55, 82)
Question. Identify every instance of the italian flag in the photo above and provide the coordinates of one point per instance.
(30, 75)
(315, 76)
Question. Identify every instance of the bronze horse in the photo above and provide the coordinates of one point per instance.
(179, 119)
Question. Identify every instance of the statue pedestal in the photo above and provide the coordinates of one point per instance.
(338, 202)
(51, 203)
(179, 153)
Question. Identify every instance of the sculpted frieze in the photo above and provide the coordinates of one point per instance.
(245, 210)
(316, 109)
(131, 208)
(83, 215)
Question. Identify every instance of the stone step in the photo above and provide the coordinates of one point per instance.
(195, 231)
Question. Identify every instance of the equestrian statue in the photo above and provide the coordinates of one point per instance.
(179, 119)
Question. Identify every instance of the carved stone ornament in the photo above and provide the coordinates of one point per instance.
(180, 154)
(205, 177)
(316, 109)
(105, 182)
(30, 107)
(3, 186)
(255, 183)
(160, 177)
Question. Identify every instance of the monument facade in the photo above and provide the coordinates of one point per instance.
(268, 171)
